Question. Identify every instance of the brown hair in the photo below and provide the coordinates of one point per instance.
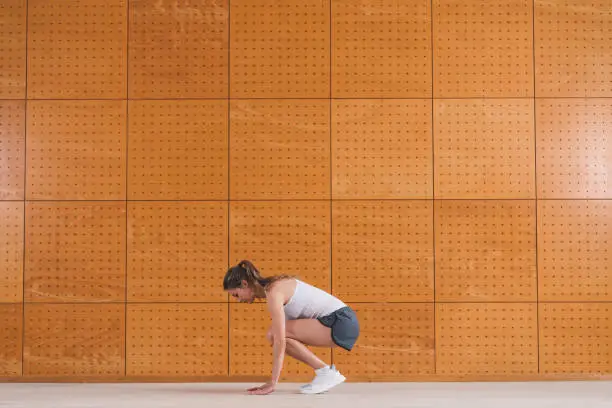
(245, 270)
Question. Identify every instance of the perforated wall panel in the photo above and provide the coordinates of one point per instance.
(575, 338)
(178, 49)
(12, 149)
(283, 237)
(483, 48)
(574, 148)
(77, 49)
(13, 15)
(177, 250)
(250, 351)
(178, 150)
(177, 339)
(442, 166)
(279, 149)
(486, 338)
(11, 251)
(396, 341)
(76, 150)
(75, 251)
(484, 148)
(11, 335)
(572, 50)
(78, 340)
(280, 49)
(381, 48)
(486, 250)
(381, 149)
(383, 251)
(574, 250)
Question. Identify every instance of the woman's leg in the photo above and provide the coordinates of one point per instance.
(306, 332)
(301, 353)
(310, 332)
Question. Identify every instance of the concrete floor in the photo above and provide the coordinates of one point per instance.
(353, 395)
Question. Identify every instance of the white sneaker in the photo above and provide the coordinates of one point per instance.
(332, 367)
(324, 381)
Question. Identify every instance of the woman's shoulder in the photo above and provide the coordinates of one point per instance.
(283, 287)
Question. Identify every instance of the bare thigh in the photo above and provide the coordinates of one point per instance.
(310, 332)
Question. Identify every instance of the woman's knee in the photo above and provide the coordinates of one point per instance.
(289, 332)
(309, 332)
(270, 336)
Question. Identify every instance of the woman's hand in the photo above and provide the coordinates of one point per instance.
(267, 388)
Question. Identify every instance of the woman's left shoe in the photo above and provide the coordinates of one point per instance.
(324, 381)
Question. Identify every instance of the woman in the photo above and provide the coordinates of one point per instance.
(302, 315)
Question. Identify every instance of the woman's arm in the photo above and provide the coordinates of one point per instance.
(275, 307)
(277, 312)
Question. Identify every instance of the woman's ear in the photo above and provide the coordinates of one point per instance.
(245, 284)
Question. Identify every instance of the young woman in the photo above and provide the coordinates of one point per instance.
(302, 315)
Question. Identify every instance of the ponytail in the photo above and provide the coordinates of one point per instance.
(245, 270)
(252, 273)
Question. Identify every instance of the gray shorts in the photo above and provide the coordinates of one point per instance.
(344, 327)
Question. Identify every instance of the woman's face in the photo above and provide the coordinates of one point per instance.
(245, 294)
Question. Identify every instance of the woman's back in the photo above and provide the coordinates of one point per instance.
(310, 302)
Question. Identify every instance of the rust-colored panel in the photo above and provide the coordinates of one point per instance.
(178, 49)
(574, 262)
(575, 338)
(383, 251)
(12, 149)
(250, 352)
(279, 149)
(486, 250)
(74, 340)
(280, 49)
(574, 148)
(283, 238)
(75, 252)
(177, 251)
(486, 338)
(76, 150)
(382, 149)
(13, 14)
(396, 341)
(77, 49)
(11, 255)
(573, 54)
(381, 48)
(483, 48)
(177, 340)
(11, 336)
(484, 149)
(178, 150)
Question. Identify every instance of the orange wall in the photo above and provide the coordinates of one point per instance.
(443, 166)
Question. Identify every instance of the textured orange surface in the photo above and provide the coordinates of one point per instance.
(442, 166)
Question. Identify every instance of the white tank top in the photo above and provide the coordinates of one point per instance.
(309, 302)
